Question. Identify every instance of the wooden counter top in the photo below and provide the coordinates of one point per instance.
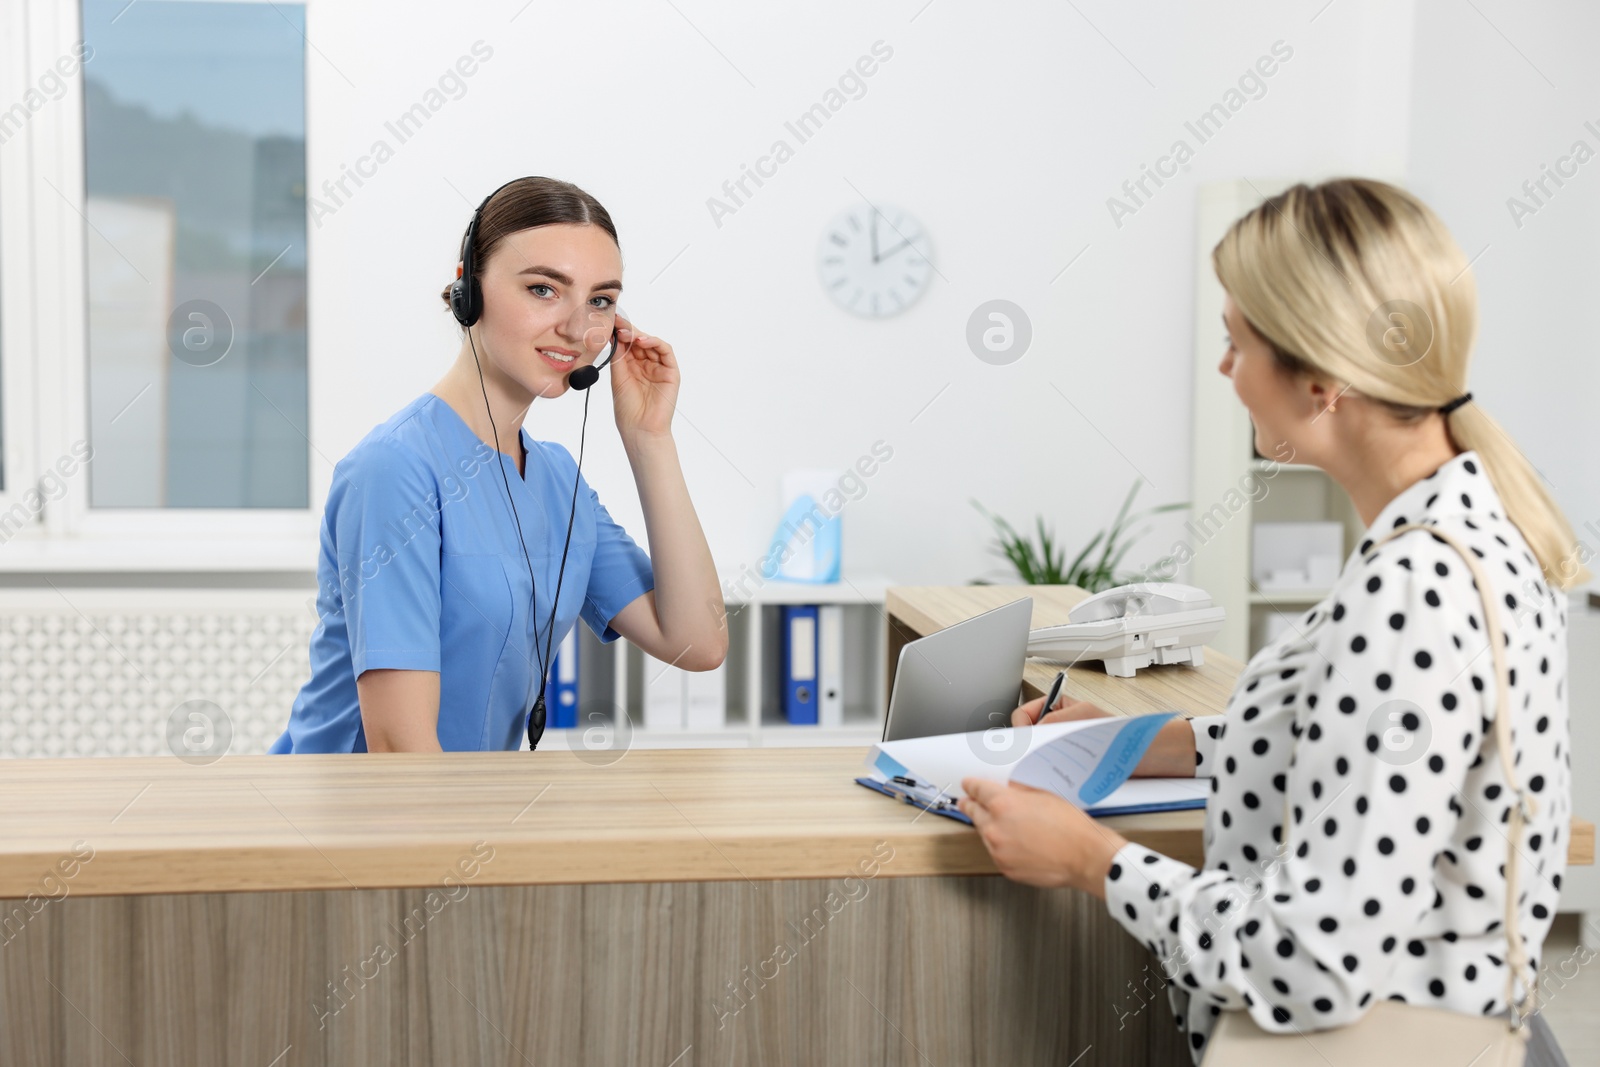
(158, 825)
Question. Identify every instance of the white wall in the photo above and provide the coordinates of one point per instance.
(1003, 127)
(1493, 103)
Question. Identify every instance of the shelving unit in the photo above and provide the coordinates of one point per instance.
(1227, 472)
(1287, 597)
(611, 678)
(1297, 493)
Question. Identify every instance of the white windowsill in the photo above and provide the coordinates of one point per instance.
(164, 555)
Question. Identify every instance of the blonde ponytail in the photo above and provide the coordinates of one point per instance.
(1528, 504)
(1322, 271)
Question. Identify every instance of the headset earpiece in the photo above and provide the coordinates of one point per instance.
(466, 300)
(466, 303)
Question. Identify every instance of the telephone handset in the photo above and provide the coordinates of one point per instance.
(1143, 598)
(1133, 626)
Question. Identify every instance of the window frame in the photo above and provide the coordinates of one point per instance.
(17, 322)
(46, 399)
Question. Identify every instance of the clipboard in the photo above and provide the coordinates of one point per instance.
(1089, 763)
(942, 806)
(946, 807)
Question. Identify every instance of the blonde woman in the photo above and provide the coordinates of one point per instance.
(1350, 316)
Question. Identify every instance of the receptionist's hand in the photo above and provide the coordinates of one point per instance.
(1066, 710)
(1036, 838)
(644, 384)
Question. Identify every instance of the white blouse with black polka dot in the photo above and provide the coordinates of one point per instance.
(1372, 717)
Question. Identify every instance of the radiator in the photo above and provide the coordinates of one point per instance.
(124, 672)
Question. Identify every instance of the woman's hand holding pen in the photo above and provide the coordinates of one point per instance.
(1170, 755)
(1066, 709)
(644, 384)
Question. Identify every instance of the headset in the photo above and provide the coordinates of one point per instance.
(466, 304)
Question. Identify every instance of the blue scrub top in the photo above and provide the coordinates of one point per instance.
(421, 570)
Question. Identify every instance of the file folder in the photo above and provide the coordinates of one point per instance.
(800, 664)
(663, 694)
(830, 665)
(564, 683)
(705, 698)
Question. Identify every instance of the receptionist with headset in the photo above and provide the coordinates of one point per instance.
(457, 551)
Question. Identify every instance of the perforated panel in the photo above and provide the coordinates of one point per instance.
(88, 672)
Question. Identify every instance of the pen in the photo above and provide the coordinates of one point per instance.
(1050, 697)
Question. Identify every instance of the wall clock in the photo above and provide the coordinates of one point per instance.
(875, 261)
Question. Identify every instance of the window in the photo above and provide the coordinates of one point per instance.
(195, 254)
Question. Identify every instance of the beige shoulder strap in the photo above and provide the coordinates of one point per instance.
(1517, 967)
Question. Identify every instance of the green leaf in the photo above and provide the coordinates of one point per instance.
(1045, 563)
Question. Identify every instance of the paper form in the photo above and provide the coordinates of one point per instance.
(1087, 763)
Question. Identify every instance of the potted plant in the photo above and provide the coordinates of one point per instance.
(1045, 563)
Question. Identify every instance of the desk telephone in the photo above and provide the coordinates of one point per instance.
(1133, 626)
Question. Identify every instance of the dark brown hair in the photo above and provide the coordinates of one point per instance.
(524, 204)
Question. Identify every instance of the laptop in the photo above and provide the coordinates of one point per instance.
(965, 677)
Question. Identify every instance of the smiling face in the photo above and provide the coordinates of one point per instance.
(549, 304)
(1282, 405)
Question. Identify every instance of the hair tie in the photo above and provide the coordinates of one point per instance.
(1457, 402)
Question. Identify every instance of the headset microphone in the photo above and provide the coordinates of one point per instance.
(584, 377)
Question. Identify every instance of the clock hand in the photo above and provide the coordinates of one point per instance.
(896, 248)
(874, 235)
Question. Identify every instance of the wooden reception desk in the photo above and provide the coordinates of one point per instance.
(752, 906)
(670, 908)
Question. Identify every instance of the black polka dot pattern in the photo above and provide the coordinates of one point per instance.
(1373, 718)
